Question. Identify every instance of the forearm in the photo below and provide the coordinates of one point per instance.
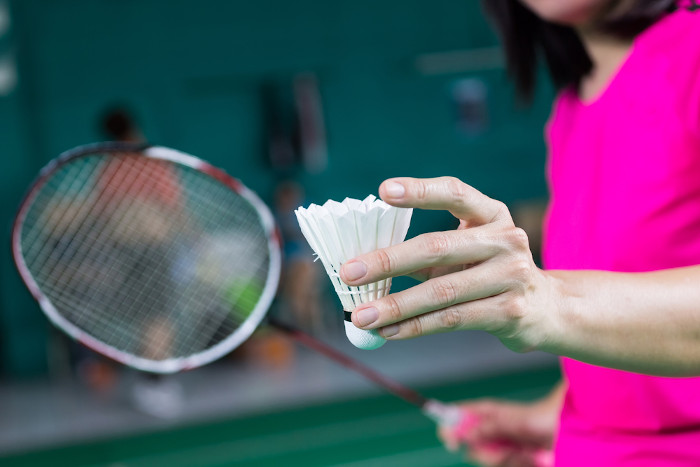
(644, 322)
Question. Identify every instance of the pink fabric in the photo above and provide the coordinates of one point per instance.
(624, 174)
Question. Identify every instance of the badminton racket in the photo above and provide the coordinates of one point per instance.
(160, 261)
(147, 255)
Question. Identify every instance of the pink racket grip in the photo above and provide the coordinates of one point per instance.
(467, 422)
(451, 417)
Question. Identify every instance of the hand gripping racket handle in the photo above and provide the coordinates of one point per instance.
(463, 422)
(447, 415)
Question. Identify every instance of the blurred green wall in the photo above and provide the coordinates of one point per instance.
(192, 72)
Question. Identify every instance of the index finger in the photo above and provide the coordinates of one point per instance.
(444, 193)
(449, 248)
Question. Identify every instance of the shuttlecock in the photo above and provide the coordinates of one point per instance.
(338, 232)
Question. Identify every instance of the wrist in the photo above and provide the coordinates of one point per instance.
(554, 310)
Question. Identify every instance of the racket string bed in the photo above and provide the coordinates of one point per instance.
(214, 206)
(112, 266)
(134, 248)
(34, 244)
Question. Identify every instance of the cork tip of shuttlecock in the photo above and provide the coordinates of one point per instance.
(365, 340)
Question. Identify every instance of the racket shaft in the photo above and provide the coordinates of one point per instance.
(398, 390)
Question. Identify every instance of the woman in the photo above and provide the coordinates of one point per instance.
(620, 297)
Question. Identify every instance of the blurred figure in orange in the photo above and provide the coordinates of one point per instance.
(153, 394)
(300, 285)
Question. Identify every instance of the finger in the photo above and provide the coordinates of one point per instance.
(543, 458)
(492, 420)
(488, 455)
(436, 271)
(502, 456)
(512, 421)
(444, 193)
(425, 274)
(486, 314)
(448, 438)
(501, 424)
(440, 293)
(529, 457)
(436, 249)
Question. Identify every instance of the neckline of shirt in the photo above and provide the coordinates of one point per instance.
(637, 42)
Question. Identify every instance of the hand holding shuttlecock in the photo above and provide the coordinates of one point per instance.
(338, 232)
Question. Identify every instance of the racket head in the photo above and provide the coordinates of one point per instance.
(147, 255)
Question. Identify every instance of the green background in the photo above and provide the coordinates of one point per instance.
(192, 71)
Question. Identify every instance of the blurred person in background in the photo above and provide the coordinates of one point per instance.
(298, 297)
(619, 298)
(300, 283)
(157, 395)
(96, 371)
(117, 124)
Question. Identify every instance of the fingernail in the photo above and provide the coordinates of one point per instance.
(354, 270)
(394, 189)
(367, 316)
(389, 331)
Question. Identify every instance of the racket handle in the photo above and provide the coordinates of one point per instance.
(451, 416)
(463, 422)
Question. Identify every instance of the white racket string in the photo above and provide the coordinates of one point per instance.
(155, 259)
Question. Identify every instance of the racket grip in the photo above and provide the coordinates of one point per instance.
(451, 416)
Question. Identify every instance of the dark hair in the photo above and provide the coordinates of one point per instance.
(526, 38)
(117, 124)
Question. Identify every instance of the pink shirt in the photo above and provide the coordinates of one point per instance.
(624, 174)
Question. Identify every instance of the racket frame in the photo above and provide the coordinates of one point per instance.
(171, 365)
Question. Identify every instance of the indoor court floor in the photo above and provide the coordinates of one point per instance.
(373, 431)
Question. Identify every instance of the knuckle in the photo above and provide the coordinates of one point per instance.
(415, 327)
(515, 308)
(521, 270)
(456, 188)
(450, 318)
(437, 244)
(501, 211)
(393, 308)
(385, 261)
(412, 328)
(421, 191)
(519, 239)
(445, 293)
